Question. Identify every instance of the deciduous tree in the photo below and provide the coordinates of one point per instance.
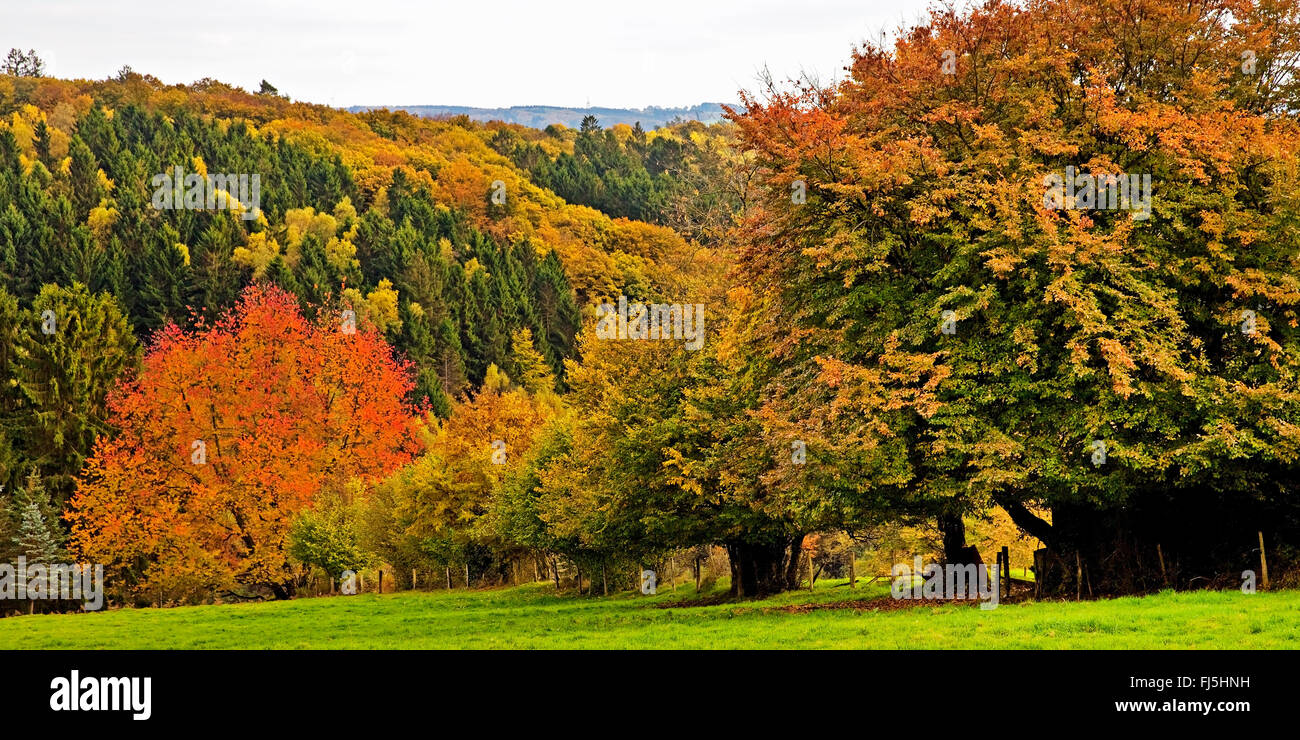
(229, 431)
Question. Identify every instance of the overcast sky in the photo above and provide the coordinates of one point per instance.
(487, 53)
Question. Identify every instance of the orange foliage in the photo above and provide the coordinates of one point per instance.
(450, 158)
(226, 434)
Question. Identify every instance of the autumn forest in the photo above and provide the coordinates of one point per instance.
(1028, 275)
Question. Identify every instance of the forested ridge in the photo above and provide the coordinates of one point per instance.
(382, 213)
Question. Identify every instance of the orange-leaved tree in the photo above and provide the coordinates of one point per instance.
(227, 432)
(947, 335)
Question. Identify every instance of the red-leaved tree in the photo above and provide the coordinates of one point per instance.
(228, 431)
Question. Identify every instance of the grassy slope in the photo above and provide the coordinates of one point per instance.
(533, 617)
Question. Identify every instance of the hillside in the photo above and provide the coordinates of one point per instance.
(151, 218)
(352, 204)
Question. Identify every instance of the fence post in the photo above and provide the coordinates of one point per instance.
(1263, 561)
(1006, 568)
(1078, 576)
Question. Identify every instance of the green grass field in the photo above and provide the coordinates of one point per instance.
(534, 617)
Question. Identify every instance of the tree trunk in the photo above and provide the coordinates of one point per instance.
(793, 562)
(734, 562)
(763, 568)
(1027, 520)
(953, 531)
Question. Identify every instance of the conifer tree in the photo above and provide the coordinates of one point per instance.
(533, 371)
(38, 536)
(68, 354)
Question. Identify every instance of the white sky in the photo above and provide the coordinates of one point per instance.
(486, 53)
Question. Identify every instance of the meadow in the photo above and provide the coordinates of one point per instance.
(535, 617)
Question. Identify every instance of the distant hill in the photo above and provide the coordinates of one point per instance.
(541, 116)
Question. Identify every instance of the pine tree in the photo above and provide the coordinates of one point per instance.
(42, 145)
(11, 457)
(8, 529)
(71, 348)
(534, 372)
(558, 312)
(39, 537)
(83, 177)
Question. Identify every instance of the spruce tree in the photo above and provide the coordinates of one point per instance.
(38, 536)
(69, 352)
(534, 372)
(37, 539)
